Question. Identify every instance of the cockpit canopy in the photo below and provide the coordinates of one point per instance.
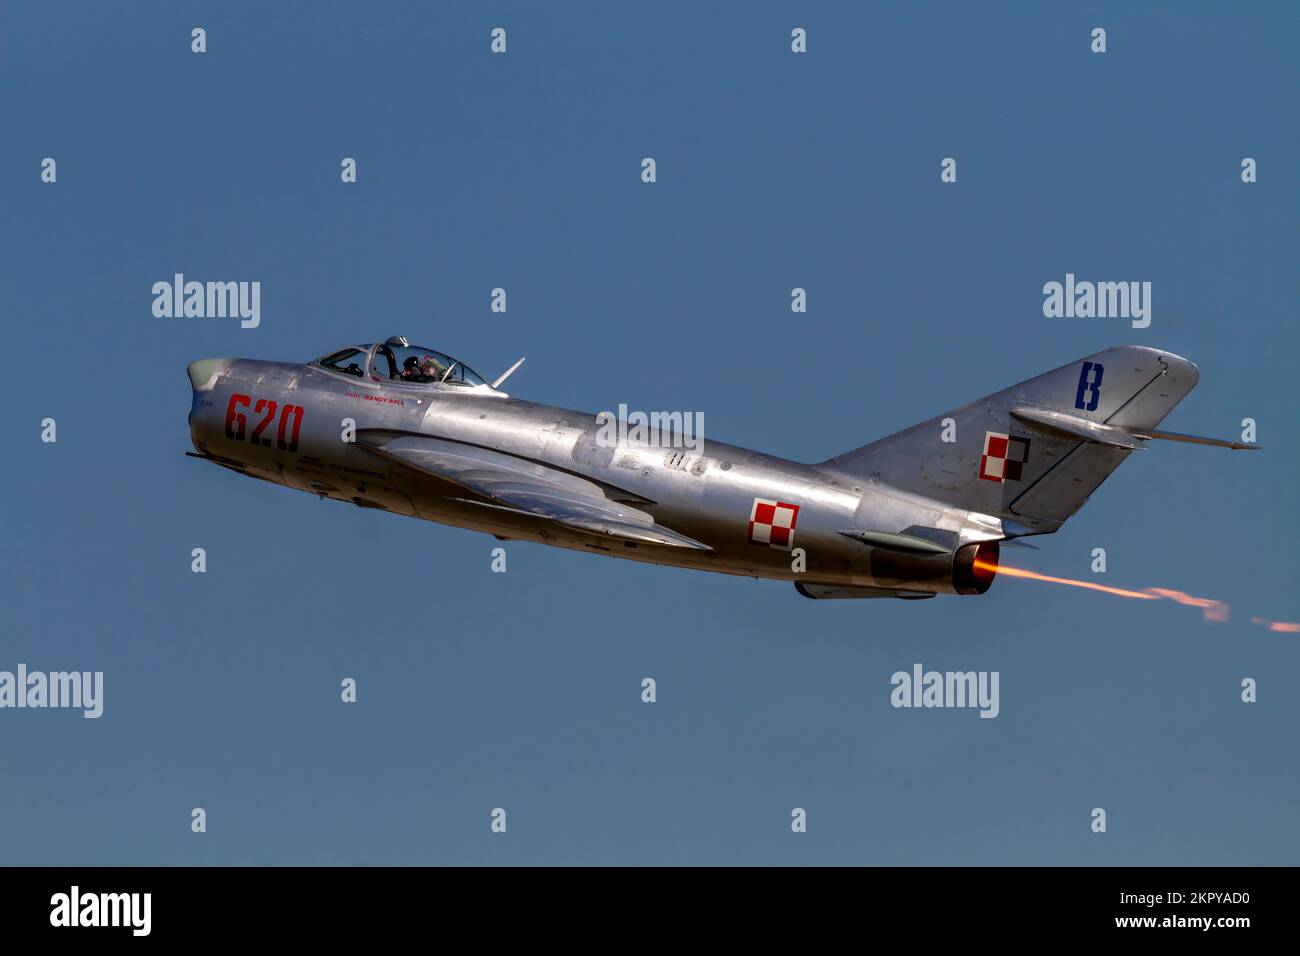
(397, 361)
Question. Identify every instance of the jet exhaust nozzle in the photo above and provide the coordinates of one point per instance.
(975, 567)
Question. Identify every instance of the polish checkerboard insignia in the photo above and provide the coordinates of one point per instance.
(771, 523)
(1004, 457)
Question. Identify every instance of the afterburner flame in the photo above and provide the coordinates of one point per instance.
(1034, 575)
(1212, 609)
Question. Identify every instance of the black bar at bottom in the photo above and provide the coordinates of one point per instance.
(368, 904)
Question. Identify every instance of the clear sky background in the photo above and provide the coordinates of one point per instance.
(522, 690)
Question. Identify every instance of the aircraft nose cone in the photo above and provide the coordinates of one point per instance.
(204, 372)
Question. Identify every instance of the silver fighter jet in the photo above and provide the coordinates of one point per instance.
(411, 430)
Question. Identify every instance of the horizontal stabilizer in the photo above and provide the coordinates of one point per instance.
(1084, 428)
(1113, 435)
(1198, 440)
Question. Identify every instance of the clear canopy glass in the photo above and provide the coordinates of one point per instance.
(402, 364)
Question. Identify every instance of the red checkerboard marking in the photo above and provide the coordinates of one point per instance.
(771, 523)
(1004, 457)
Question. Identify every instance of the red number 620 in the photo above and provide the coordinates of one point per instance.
(237, 421)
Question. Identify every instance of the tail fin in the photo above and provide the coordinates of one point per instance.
(1033, 453)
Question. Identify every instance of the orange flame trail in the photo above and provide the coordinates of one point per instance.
(1090, 585)
(1286, 627)
(1213, 610)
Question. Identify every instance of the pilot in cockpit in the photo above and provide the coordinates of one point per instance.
(421, 369)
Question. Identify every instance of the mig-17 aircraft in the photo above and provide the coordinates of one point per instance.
(416, 432)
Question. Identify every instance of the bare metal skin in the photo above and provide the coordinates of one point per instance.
(915, 514)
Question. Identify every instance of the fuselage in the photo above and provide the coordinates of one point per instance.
(290, 424)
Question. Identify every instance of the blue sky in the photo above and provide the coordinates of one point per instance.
(522, 170)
